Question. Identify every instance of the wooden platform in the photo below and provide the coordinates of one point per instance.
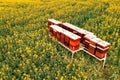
(83, 48)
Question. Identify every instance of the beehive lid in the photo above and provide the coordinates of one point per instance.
(71, 35)
(90, 36)
(75, 28)
(70, 25)
(96, 40)
(57, 28)
(104, 43)
(88, 32)
(81, 31)
(54, 21)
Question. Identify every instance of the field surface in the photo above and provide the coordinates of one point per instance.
(28, 53)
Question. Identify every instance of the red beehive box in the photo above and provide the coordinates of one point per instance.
(56, 31)
(53, 22)
(86, 44)
(102, 49)
(74, 44)
(59, 36)
(92, 49)
(67, 40)
(87, 39)
(62, 38)
(51, 31)
(93, 44)
(72, 40)
(100, 53)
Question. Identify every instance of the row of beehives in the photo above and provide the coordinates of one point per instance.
(71, 36)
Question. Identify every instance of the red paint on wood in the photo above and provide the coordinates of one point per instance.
(101, 53)
(62, 38)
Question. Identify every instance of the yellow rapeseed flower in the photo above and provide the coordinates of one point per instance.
(74, 78)
(1, 78)
(35, 56)
(28, 49)
(61, 78)
(68, 66)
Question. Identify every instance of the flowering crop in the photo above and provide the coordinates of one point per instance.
(27, 52)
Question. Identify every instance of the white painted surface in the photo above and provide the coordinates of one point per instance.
(96, 40)
(82, 31)
(104, 43)
(54, 21)
(90, 36)
(57, 28)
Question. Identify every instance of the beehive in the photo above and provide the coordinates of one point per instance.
(66, 37)
(102, 49)
(87, 39)
(93, 44)
(71, 40)
(53, 22)
(56, 31)
(103, 44)
(92, 49)
(71, 36)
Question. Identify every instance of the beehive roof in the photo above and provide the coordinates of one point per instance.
(96, 40)
(90, 36)
(54, 21)
(104, 43)
(77, 28)
(57, 28)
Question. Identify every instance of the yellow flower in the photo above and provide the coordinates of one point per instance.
(85, 77)
(8, 53)
(61, 78)
(36, 69)
(74, 78)
(20, 50)
(19, 41)
(68, 66)
(22, 55)
(13, 78)
(18, 71)
(118, 40)
(27, 61)
(28, 50)
(35, 56)
(116, 34)
(1, 79)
